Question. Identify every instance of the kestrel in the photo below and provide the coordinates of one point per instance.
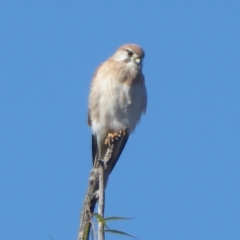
(117, 100)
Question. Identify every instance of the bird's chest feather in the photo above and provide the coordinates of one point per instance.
(125, 102)
(121, 106)
(125, 97)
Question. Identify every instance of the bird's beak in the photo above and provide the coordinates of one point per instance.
(137, 60)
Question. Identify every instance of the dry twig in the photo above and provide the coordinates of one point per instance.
(92, 195)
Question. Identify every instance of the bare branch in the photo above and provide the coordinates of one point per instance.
(86, 215)
(92, 195)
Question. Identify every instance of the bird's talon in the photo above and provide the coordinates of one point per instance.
(112, 137)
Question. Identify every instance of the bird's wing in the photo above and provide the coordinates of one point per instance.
(119, 146)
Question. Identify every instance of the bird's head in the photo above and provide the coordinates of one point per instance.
(130, 54)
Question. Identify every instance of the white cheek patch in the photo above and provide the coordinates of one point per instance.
(131, 64)
(122, 57)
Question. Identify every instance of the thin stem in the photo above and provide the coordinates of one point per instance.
(101, 202)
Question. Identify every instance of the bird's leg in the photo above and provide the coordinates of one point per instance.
(113, 137)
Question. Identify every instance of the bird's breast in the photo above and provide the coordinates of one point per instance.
(124, 108)
(121, 100)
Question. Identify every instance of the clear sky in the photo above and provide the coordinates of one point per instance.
(179, 173)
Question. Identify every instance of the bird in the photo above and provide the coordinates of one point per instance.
(117, 100)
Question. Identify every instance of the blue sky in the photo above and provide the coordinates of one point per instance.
(179, 173)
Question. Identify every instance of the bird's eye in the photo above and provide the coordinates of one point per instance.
(130, 53)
